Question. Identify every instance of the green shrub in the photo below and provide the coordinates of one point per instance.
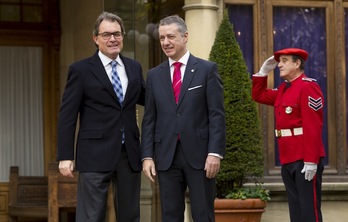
(243, 193)
(243, 160)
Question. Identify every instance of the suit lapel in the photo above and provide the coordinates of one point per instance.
(98, 70)
(167, 82)
(190, 70)
(128, 68)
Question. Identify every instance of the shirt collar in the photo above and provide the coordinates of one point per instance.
(183, 59)
(106, 60)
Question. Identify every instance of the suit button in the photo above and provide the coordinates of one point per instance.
(178, 115)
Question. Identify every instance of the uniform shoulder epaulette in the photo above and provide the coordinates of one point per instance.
(309, 79)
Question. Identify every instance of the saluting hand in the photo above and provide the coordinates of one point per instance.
(268, 66)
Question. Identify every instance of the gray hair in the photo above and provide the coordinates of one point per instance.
(108, 17)
(303, 63)
(176, 20)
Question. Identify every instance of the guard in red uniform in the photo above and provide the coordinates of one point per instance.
(298, 108)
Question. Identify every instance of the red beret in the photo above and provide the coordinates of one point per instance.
(291, 51)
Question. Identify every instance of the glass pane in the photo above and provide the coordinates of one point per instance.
(125, 9)
(9, 13)
(141, 35)
(241, 16)
(32, 14)
(303, 28)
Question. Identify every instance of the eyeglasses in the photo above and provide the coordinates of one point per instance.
(107, 35)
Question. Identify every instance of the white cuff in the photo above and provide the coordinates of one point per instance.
(215, 154)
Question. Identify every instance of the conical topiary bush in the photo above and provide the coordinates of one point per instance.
(243, 159)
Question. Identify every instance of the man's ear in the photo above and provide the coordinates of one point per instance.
(298, 63)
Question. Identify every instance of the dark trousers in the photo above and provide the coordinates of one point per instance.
(173, 184)
(304, 197)
(92, 193)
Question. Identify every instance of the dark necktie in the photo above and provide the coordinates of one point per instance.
(176, 80)
(287, 85)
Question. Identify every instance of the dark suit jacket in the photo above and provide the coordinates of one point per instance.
(89, 94)
(199, 116)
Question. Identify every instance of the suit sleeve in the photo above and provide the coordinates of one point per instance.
(68, 115)
(148, 124)
(141, 100)
(260, 93)
(217, 122)
(312, 119)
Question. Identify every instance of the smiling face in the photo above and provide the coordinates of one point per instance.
(112, 46)
(173, 42)
(289, 69)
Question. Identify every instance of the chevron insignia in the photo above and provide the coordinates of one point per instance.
(315, 104)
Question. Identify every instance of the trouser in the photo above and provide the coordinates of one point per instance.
(92, 193)
(304, 197)
(173, 183)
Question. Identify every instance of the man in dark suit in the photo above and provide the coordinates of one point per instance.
(104, 97)
(183, 133)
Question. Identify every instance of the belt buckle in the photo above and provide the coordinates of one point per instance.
(279, 133)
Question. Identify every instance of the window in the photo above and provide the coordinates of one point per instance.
(21, 11)
(21, 112)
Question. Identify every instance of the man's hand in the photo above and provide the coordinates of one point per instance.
(268, 66)
(309, 169)
(212, 166)
(66, 168)
(149, 169)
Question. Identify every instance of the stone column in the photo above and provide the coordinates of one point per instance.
(201, 17)
(202, 20)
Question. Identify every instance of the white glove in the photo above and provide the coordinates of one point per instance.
(268, 66)
(309, 169)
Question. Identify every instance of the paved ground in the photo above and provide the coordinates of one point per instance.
(333, 211)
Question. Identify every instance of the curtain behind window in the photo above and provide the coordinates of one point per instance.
(241, 17)
(21, 114)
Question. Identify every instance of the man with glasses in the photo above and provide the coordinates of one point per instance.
(103, 91)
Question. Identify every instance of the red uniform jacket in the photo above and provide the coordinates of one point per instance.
(300, 105)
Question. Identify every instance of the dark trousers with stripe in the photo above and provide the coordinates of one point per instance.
(304, 197)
